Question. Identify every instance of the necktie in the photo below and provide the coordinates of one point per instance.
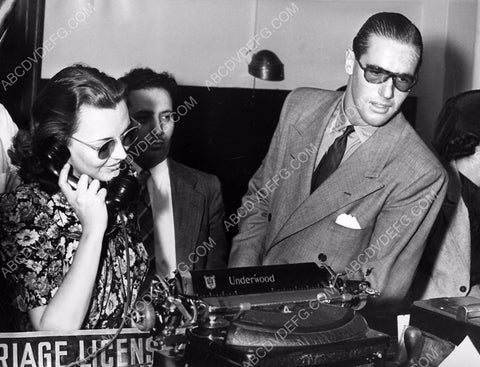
(148, 223)
(331, 159)
(144, 217)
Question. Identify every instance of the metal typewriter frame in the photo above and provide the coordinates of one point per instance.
(172, 312)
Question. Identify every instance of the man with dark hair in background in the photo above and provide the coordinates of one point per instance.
(369, 195)
(181, 209)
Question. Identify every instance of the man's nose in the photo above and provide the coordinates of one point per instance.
(387, 89)
(153, 126)
(154, 122)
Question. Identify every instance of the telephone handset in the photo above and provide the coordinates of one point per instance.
(121, 191)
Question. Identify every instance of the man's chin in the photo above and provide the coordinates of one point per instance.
(377, 120)
(159, 147)
(151, 160)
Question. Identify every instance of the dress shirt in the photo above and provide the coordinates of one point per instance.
(160, 192)
(337, 124)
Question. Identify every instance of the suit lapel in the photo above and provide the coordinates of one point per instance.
(306, 134)
(354, 179)
(455, 211)
(187, 210)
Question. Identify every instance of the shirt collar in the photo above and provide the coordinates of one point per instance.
(160, 169)
(158, 175)
(341, 121)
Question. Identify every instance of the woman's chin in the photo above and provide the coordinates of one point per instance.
(107, 176)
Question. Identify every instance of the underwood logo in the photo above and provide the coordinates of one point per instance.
(251, 280)
(210, 281)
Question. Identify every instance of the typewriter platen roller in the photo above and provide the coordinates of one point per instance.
(279, 315)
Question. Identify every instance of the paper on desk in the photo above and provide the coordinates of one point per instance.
(402, 323)
(465, 354)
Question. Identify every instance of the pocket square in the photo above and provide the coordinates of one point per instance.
(348, 221)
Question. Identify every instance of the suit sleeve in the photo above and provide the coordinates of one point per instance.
(219, 257)
(400, 235)
(248, 245)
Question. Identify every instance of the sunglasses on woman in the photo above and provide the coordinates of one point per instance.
(377, 75)
(127, 139)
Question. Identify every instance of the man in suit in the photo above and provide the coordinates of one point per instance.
(181, 210)
(372, 215)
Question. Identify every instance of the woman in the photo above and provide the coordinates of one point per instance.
(64, 270)
(450, 266)
(8, 129)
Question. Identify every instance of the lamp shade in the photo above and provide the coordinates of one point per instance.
(266, 65)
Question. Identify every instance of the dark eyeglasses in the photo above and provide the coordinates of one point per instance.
(127, 139)
(377, 75)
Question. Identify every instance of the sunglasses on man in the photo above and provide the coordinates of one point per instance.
(376, 75)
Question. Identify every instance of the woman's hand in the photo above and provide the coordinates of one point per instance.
(88, 201)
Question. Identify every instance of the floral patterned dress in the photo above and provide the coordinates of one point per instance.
(39, 235)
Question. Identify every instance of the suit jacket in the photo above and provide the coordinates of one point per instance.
(392, 184)
(198, 211)
(444, 270)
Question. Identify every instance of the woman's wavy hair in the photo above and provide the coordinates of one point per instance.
(458, 129)
(55, 113)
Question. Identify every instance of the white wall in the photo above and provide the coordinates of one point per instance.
(460, 47)
(189, 38)
(205, 41)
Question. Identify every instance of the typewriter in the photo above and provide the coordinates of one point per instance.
(279, 315)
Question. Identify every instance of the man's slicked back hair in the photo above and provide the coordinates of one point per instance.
(389, 25)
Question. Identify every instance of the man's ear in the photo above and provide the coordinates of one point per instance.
(349, 61)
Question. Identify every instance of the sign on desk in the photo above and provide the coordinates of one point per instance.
(54, 349)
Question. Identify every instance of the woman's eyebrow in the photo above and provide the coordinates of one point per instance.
(100, 140)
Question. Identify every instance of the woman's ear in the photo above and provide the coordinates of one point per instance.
(477, 151)
(349, 61)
